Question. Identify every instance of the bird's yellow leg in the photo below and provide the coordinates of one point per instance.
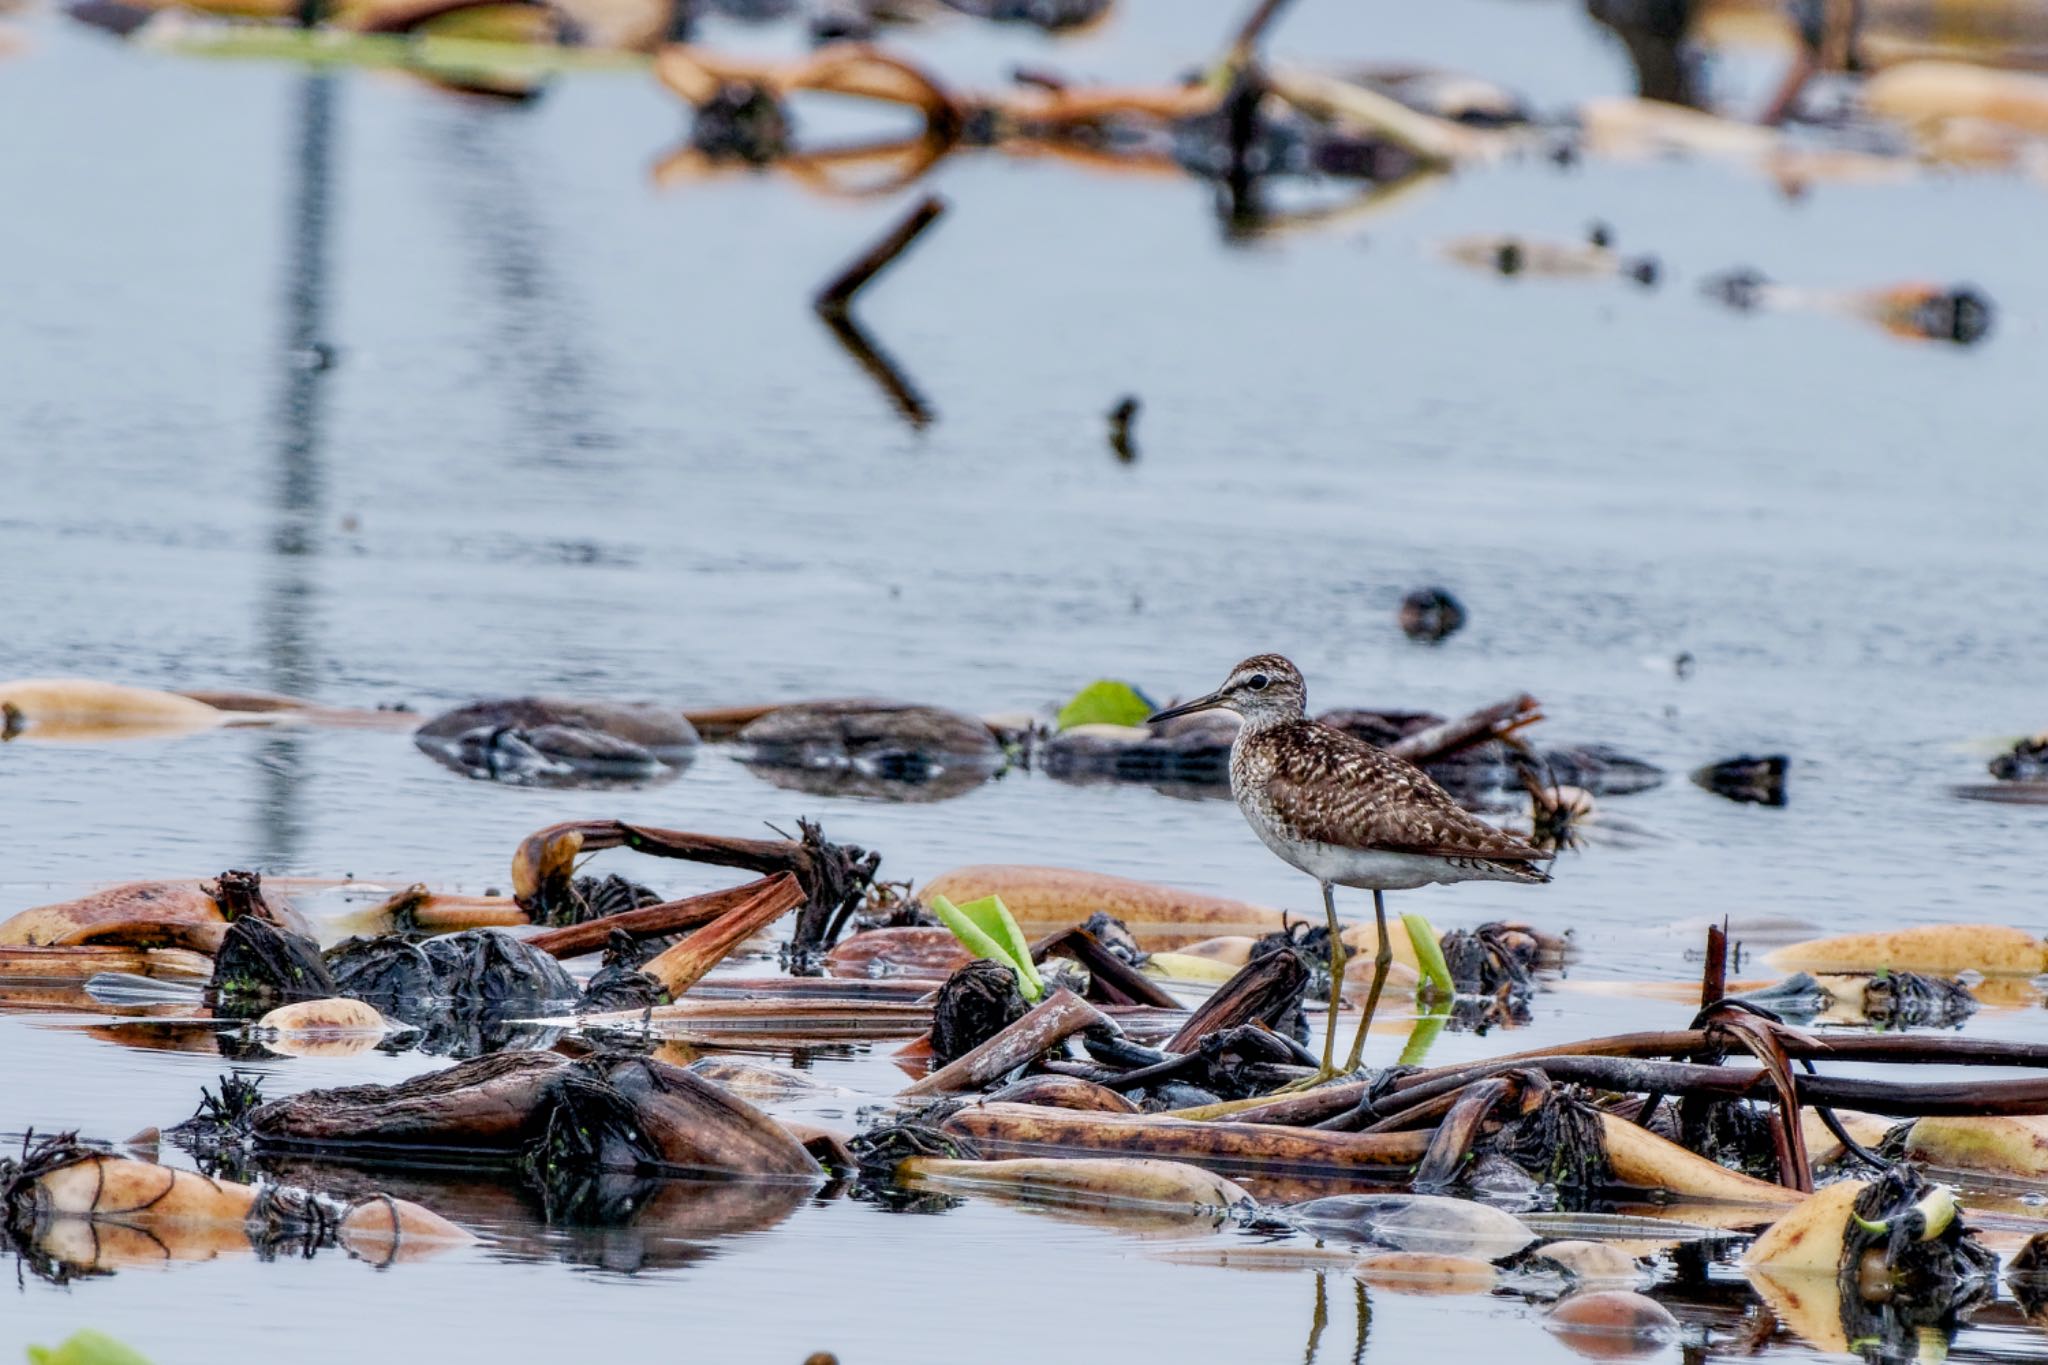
(1327, 1071)
(1380, 963)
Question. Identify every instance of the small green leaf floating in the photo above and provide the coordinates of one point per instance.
(87, 1347)
(1430, 957)
(990, 931)
(1106, 702)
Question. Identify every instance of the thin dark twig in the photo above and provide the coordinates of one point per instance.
(1253, 28)
(837, 296)
(1834, 1125)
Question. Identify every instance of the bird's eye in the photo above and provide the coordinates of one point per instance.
(1257, 682)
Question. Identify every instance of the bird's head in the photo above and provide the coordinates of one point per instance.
(1264, 689)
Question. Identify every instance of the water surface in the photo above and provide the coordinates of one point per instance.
(583, 436)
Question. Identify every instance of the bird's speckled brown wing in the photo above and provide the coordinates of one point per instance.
(1327, 786)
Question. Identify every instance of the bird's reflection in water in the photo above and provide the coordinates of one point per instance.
(288, 606)
(527, 330)
(1319, 1321)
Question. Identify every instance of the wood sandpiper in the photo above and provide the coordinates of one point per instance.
(1348, 814)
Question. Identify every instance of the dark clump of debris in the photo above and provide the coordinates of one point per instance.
(592, 898)
(1913, 1000)
(1431, 614)
(260, 966)
(1556, 1140)
(2026, 761)
(977, 1002)
(742, 122)
(581, 1134)
(620, 984)
(1492, 959)
(891, 905)
(465, 991)
(1752, 781)
(1121, 440)
(1908, 1261)
(559, 742)
(1190, 750)
(873, 748)
(1961, 315)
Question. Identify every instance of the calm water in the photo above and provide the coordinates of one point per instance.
(584, 436)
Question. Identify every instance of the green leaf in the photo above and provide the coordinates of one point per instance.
(1429, 956)
(995, 920)
(1106, 702)
(988, 931)
(87, 1347)
(968, 932)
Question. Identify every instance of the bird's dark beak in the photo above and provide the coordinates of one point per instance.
(1187, 708)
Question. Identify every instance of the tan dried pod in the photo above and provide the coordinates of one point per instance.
(1426, 1272)
(1044, 899)
(1936, 949)
(384, 1230)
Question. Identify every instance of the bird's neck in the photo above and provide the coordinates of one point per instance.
(1265, 722)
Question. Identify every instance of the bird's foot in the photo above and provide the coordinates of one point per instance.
(1322, 1075)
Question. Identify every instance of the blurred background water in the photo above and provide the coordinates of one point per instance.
(579, 435)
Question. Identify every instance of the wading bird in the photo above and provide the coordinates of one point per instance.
(1348, 815)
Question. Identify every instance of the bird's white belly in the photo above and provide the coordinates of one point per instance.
(1364, 868)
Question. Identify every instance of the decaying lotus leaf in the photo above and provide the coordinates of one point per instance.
(90, 1211)
(1402, 979)
(1937, 949)
(382, 1230)
(1590, 1262)
(1429, 1223)
(1612, 1323)
(135, 914)
(337, 1014)
(1188, 967)
(1128, 1182)
(757, 1081)
(1822, 1146)
(1006, 1128)
(2005, 1145)
(1807, 1301)
(1888, 1259)
(25, 966)
(1932, 91)
(1063, 1092)
(1624, 126)
(1810, 1236)
(83, 709)
(606, 1112)
(917, 952)
(1641, 1159)
(1229, 950)
(115, 1187)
